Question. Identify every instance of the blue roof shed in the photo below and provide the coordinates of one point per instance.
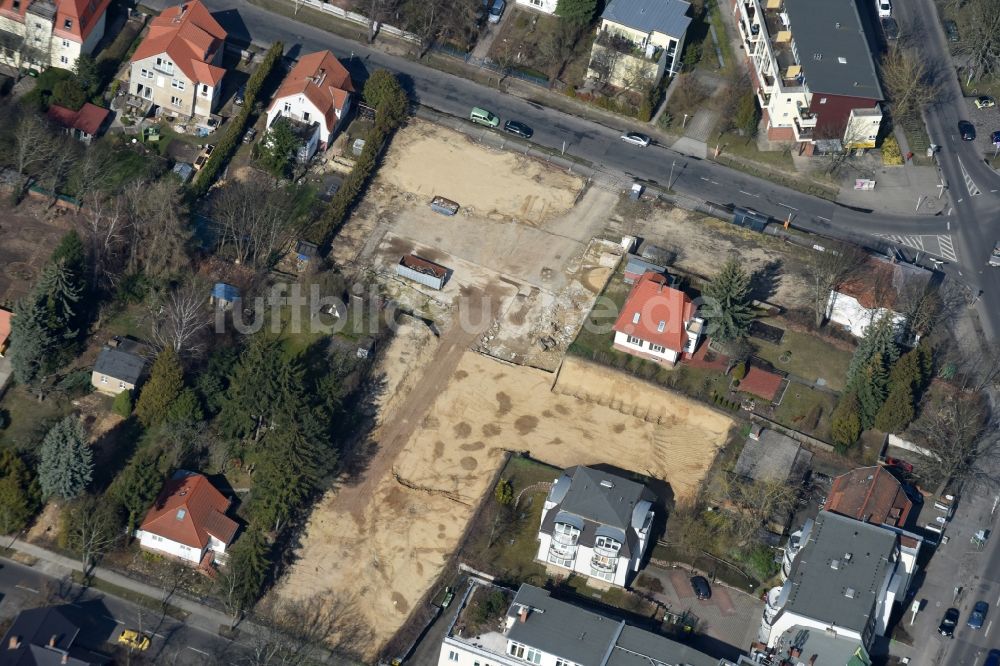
(225, 293)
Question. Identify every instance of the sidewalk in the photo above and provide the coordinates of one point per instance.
(200, 616)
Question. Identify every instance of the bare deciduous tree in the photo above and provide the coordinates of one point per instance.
(955, 430)
(180, 318)
(32, 146)
(827, 270)
(981, 39)
(754, 503)
(91, 531)
(254, 220)
(158, 232)
(908, 80)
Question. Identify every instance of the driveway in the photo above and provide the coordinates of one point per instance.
(727, 623)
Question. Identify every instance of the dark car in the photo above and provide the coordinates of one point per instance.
(993, 658)
(701, 588)
(251, 133)
(240, 94)
(995, 137)
(978, 615)
(951, 29)
(518, 128)
(948, 623)
(966, 130)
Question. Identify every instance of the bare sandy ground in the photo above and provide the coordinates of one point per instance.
(428, 160)
(388, 555)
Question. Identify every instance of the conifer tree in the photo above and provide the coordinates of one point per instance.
(65, 464)
(896, 412)
(845, 424)
(728, 297)
(19, 493)
(31, 345)
(166, 381)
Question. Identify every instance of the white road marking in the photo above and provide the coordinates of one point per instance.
(115, 620)
(194, 649)
(159, 635)
(947, 247)
(26, 589)
(820, 217)
(749, 194)
(988, 627)
(949, 226)
(787, 206)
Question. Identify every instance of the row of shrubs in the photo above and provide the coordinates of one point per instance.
(233, 135)
(725, 402)
(384, 93)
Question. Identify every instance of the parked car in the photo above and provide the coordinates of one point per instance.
(951, 29)
(978, 615)
(890, 28)
(518, 128)
(995, 137)
(948, 623)
(900, 463)
(134, 640)
(636, 139)
(701, 588)
(250, 135)
(240, 95)
(985, 102)
(483, 117)
(993, 658)
(496, 10)
(967, 130)
(884, 8)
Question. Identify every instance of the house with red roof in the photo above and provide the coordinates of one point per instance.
(657, 322)
(83, 125)
(188, 520)
(178, 65)
(317, 93)
(878, 288)
(5, 317)
(37, 34)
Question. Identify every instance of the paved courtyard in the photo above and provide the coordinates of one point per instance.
(727, 623)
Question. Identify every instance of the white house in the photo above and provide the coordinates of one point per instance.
(188, 521)
(40, 33)
(639, 36)
(537, 629)
(178, 65)
(880, 287)
(316, 93)
(657, 322)
(844, 578)
(595, 524)
(545, 6)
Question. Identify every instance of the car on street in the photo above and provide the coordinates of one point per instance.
(951, 29)
(995, 255)
(250, 134)
(884, 8)
(993, 658)
(966, 130)
(701, 588)
(948, 623)
(636, 139)
(890, 28)
(518, 128)
(978, 615)
(995, 137)
(134, 640)
(985, 102)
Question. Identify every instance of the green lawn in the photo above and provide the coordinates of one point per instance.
(29, 418)
(807, 356)
(731, 143)
(806, 410)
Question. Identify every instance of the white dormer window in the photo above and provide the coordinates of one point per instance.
(635, 318)
(661, 326)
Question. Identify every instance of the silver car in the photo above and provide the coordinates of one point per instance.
(636, 139)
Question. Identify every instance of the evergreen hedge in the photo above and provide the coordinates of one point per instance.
(233, 135)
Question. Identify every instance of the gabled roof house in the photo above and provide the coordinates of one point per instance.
(188, 520)
(178, 66)
(657, 322)
(119, 367)
(46, 637)
(83, 125)
(879, 287)
(596, 524)
(317, 93)
(37, 34)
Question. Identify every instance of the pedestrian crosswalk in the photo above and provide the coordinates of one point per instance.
(970, 184)
(940, 245)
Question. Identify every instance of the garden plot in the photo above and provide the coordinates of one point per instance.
(30, 233)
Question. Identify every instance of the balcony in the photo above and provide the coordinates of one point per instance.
(565, 539)
(562, 552)
(803, 133)
(806, 117)
(605, 551)
(604, 564)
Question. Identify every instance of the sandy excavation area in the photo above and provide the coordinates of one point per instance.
(427, 160)
(387, 555)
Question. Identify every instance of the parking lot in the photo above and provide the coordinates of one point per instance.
(986, 121)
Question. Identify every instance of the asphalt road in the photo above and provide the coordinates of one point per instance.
(970, 646)
(102, 618)
(974, 219)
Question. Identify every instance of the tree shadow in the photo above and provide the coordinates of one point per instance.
(765, 280)
(112, 451)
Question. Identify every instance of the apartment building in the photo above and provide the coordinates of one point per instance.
(178, 66)
(813, 72)
(36, 34)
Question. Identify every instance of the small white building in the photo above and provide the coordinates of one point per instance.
(544, 6)
(595, 524)
(537, 629)
(880, 287)
(658, 322)
(317, 93)
(188, 521)
(844, 578)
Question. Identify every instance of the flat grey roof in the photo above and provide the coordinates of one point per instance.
(120, 365)
(832, 30)
(842, 557)
(774, 457)
(665, 16)
(588, 638)
(830, 649)
(590, 497)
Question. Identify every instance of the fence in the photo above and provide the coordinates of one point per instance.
(354, 17)
(487, 63)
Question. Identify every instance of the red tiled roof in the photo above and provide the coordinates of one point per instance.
(881, 283)
(323, 80)
(5, 316)
(188, 510)
(88, 119)
(761, 383)
(83, 15)
(190, 37)
(656, 313)
(869, 494)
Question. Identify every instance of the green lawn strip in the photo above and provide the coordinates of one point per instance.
(797, 409)
(720, 33)
(29, 418)
(132, 596)
(808, 357)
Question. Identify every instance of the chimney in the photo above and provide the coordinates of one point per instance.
(523, 614)
(14, 643)
(52, 641)
(794, 652)
(812, 660)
